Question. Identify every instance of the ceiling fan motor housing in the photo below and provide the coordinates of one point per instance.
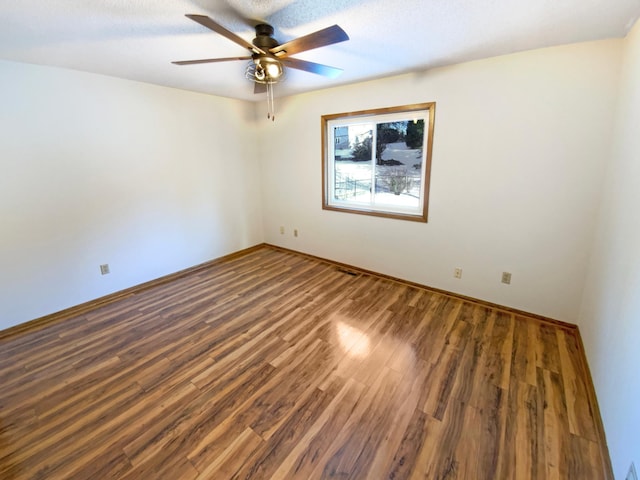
(264, 37)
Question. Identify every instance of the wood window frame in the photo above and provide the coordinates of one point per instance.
(421, 214)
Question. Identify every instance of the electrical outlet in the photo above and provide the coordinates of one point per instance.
(632, 475)
(506, 278)
(281, 230)
(104, 269)
(457, 273)
(295, 232)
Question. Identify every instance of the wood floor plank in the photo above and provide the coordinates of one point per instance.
(555, 425)
(520, 446)
(477, 452)
(407, 458)
(547, 354)
(277, 365)
(233, 457)
(351, 450)
(387, 453)
(430, 454)
(272, 453)
(523, 357)
(440, 382)
(578, 409)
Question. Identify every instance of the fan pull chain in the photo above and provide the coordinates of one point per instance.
(270, 103)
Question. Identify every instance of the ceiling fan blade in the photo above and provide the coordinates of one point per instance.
(259, 87)
(209, 60)
(326, 70)
(216, 27)
(326, 36)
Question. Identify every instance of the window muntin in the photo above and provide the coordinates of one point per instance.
(377, 162)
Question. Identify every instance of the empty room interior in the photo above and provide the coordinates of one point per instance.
(207, 271)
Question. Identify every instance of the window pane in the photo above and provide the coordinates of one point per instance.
(353, 164)
(399, 156)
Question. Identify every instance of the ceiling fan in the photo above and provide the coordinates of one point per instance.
(268, 58)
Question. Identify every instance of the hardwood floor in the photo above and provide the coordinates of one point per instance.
(276, 365)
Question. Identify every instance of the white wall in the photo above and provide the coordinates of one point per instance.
(99, 170)
(519, 153)
(610, 315)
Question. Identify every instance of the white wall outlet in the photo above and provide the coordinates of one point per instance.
(295, 232)
(281, 230)
(632, 475)
(506, 278)
(104, 269)
(457, 273)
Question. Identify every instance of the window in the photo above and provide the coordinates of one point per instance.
(377, 162)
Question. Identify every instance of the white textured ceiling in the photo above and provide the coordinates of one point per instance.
(138, 39)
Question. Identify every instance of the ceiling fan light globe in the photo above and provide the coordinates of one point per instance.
(274, 70)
